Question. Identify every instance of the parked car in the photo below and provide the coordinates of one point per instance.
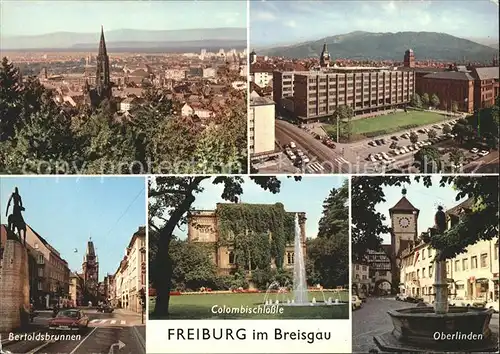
(356, 302)
(69, 320)
(395, 138)
(305, 159)
(378, 142)
(401, 297)
(371, 158)
(383, 141)
(292, 145)
(371, 143)
(413, 300)
(393, 145)
(493, 305)
(474, 150)
(483, 153)
(105, 309)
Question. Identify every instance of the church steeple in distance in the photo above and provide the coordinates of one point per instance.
(103, 83)
(102, 44)
(324, 60)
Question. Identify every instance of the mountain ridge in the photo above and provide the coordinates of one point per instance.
(362, 45)
(66, 40)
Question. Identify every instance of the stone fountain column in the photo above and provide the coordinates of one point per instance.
(440, 287)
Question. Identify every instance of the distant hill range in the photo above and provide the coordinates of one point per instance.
(390, 46)
(133, 40)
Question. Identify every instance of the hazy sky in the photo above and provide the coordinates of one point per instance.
(66, 211)
(423, 198)
(29, 17)
(306, 196)
(274, 22)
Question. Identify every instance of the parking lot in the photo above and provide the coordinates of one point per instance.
(397, 149)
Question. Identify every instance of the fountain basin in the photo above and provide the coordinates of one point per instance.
(420, 329)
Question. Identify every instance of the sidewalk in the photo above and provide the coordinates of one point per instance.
(126, 312)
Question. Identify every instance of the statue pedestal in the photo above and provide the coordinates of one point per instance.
(14, 286)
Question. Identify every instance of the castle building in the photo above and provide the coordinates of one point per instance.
(203, 227)
(90, 269)
(103, 85)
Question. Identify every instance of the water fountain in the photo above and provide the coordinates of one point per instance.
(299, 291)
(442, 328)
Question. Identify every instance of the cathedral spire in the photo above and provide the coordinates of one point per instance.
(102, 43)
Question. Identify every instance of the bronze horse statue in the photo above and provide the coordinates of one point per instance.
(19, 225)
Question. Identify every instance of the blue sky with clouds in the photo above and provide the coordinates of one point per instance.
(66, 211)
(306, 196)
(423, 198)
(29, 17)
(287, 22)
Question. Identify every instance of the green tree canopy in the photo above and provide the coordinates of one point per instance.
(480, 224)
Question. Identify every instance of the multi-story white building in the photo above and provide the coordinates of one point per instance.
(472, 275)
(262, 78)
(130, 277)
(261, 125)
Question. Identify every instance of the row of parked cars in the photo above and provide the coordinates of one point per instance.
(297, 156)
(479, 152)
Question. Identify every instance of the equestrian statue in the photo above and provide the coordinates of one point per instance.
(16, 220)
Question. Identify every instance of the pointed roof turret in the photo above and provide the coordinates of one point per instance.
(324, 52)
(404, 205)
(102, 43)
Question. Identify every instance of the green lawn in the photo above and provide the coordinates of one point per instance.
(391, 122)
(199, 306)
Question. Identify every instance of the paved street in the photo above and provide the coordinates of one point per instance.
(107, 333)
(372, 319)
(354, 157)
(330, 160)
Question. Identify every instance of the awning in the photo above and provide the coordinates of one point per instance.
(482, 280)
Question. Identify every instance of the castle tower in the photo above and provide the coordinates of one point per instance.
(404, 218)
(90, 269)
(409, 59)
(324, 59)
(103, 83)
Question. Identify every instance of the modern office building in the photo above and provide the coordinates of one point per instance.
(315, 95)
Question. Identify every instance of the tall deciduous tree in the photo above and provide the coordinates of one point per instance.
(425, 100)
(429, 159)
(434, 100)
(327, 255)
(413, 137)
(416, 101)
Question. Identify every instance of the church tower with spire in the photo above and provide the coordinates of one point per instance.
(90, 268)
(103, 83)
(324, 59)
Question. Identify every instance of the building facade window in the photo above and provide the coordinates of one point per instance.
(484, 260)
(473, 262)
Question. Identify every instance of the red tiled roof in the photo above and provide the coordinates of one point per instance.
(403, 205)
